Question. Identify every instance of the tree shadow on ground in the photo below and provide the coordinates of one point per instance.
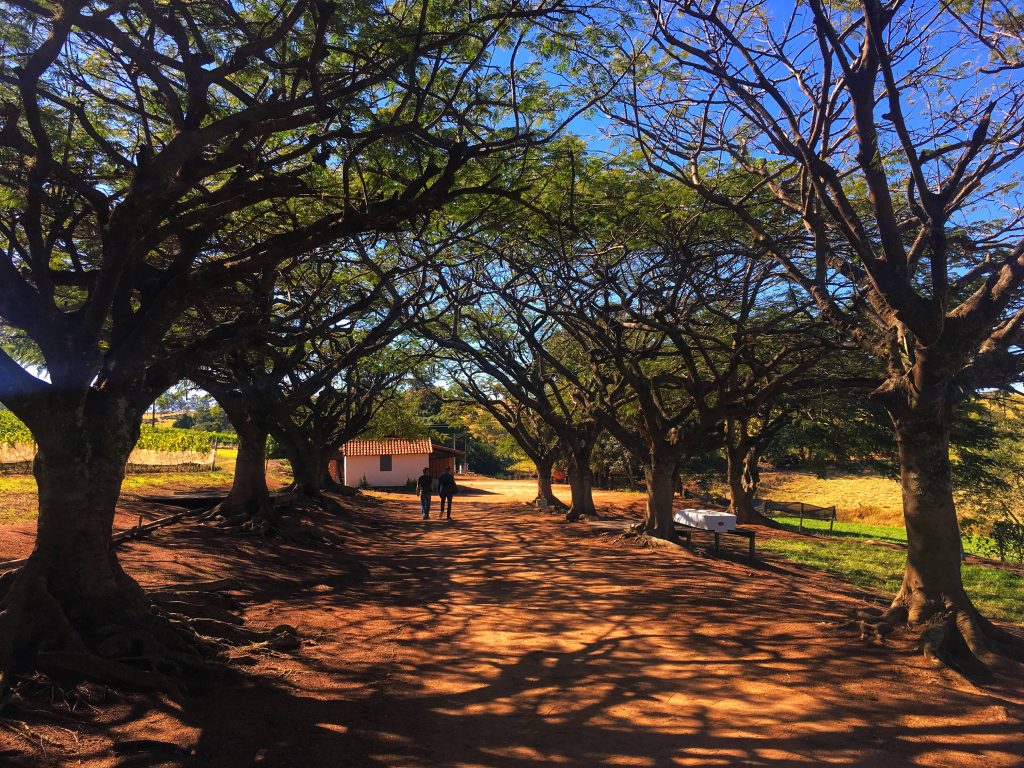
(508, 638)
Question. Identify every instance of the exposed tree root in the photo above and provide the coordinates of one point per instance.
(69, 665)
(554, 505)
(173, 642)
(643, 529)
(953, 634)
(276, 518)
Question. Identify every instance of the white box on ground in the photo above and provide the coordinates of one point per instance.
(708, 519)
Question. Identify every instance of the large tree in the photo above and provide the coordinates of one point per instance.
(152, 154)
(501, 328)
(297, 374)
(886, 134)
(531, 433)
(687, 331)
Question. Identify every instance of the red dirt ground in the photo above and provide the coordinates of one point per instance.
(510, 638)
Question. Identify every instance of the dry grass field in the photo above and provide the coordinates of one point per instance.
(862, 498)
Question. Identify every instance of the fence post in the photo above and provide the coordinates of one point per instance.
(213, 462)
(801, 517)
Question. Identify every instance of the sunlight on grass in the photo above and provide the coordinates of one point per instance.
(18, 492)
(998, 593)
(896, 534)
(178, 480)
(17, 499)
(856, 497)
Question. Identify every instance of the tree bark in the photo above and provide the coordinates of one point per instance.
(744, 478)
(660, 473)
(249, 494)
(932, 592)
(310, 473)
(932, 572)
(73, 595)
(581, 484)
(544, 490)
(79, 471)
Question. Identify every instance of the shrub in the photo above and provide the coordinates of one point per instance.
(12, 431)
(1007, 538)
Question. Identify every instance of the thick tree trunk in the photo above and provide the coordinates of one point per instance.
(310, 468)
(660, 474)
(743, 482)
(72, 595)
(79, 480)
(932, 572)
(544, 490)
(932, 593)
(249, 494)
(581, 483)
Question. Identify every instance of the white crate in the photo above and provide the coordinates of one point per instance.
(708, 519)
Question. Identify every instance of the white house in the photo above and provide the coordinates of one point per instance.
(390, 463)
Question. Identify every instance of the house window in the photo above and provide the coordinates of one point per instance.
(385, 463)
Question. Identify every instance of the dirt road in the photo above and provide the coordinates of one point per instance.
(509, 638)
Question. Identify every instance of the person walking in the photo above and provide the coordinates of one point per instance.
(446, 489)
(424, 489)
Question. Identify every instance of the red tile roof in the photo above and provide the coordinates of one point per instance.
(393, 447)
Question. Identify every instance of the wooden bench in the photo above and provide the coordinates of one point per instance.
(801, 510)
(748, 533)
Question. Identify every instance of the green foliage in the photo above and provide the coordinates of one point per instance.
(12, 431)
(185, 421)
(837, 429)
(990, 497)
(163, 439)
(171, 440)
(1006, 539)
(206, 419)
(400, 416)
(487, 458)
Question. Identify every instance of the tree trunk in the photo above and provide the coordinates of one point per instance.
(932, 593)
(249, 494)
(310, 468)
(660, 474)
(73, 595)
(544, 490)
(581, 483)
(932, 572)
(743, 481)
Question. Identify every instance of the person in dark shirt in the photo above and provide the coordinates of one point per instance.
(446, 489)
(424, 488)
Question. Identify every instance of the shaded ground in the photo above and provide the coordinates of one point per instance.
(509, 638)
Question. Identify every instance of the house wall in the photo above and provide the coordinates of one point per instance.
(403, 468)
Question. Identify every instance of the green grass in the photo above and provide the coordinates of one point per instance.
(17, 499)
(998, 593)
(895, 534)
